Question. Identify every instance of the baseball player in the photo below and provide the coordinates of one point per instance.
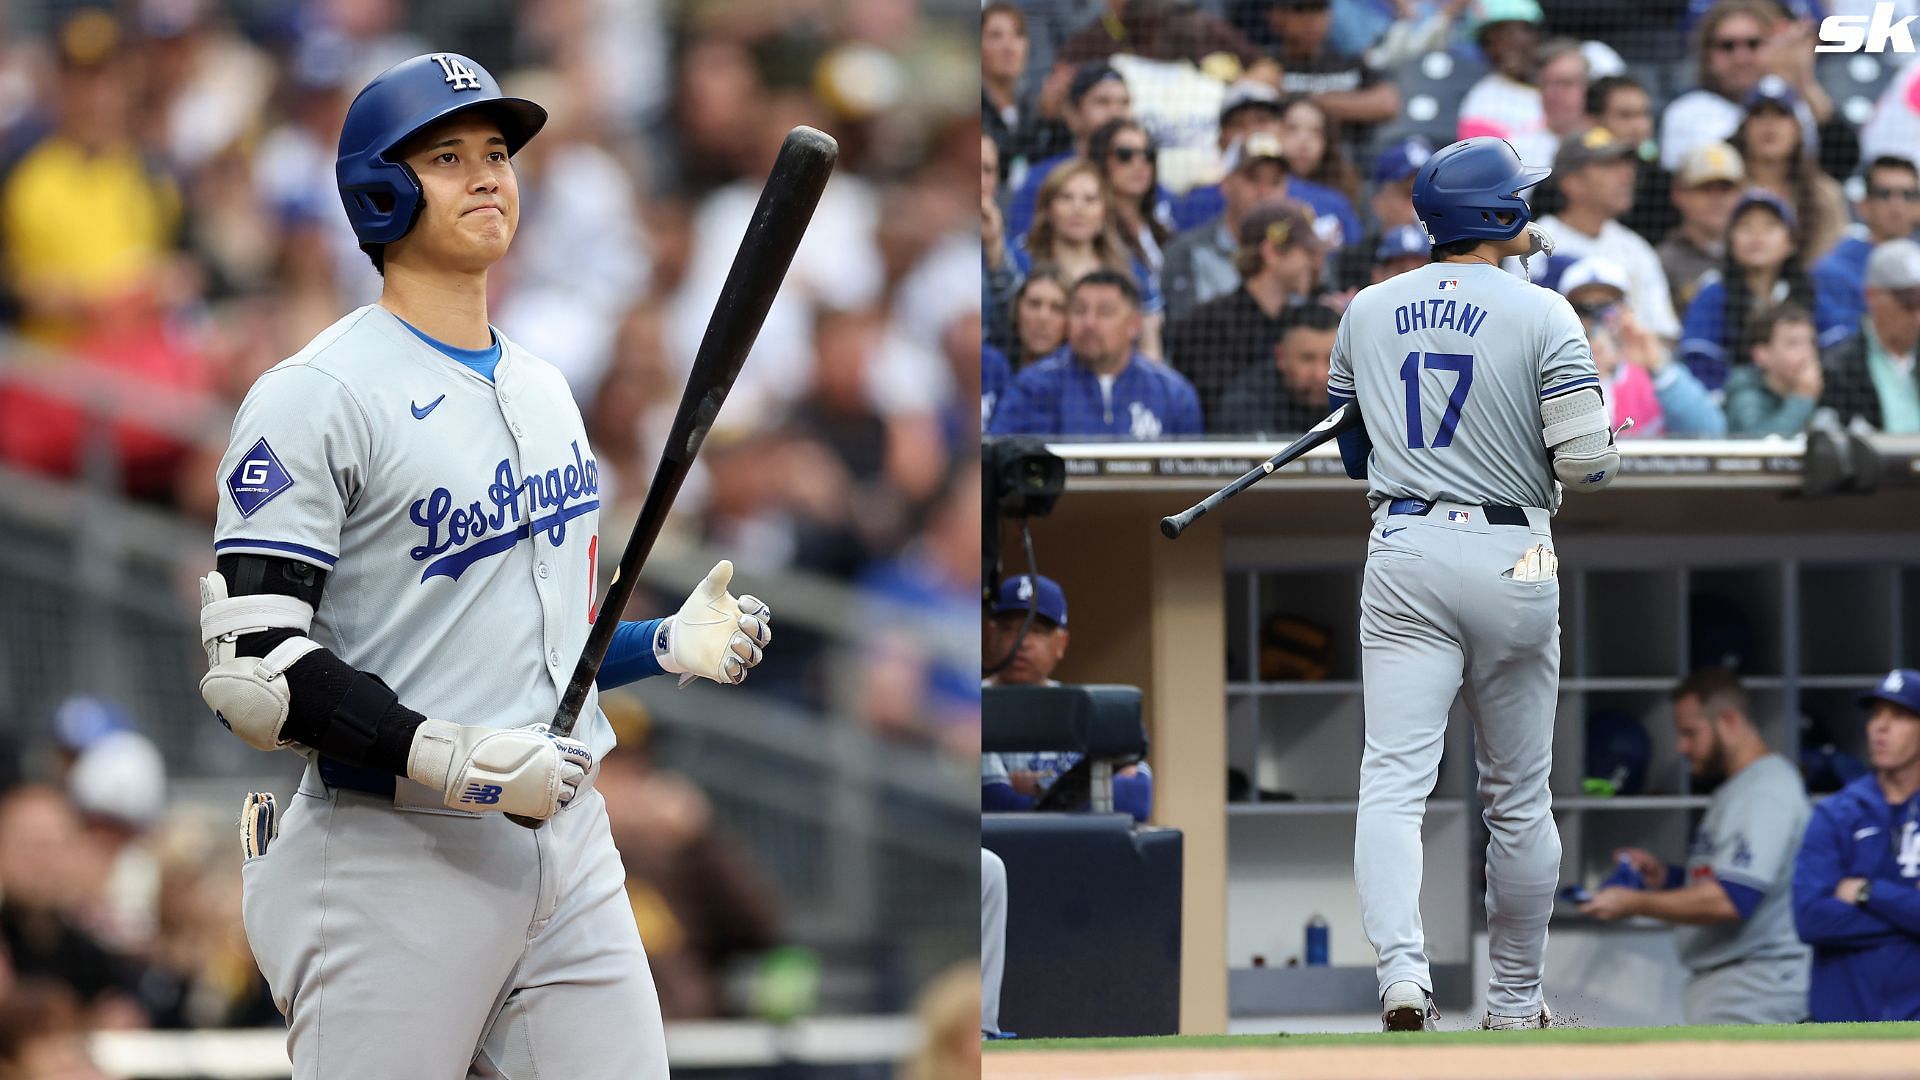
(1731, 902)
(1480, 399)
(406, 550)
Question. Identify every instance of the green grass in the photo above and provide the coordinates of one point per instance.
(1729, 1033)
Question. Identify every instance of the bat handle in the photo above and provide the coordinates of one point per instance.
(526, 822)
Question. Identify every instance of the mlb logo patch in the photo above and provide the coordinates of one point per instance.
(257, 479)
(1459, 515)
(1449, 283)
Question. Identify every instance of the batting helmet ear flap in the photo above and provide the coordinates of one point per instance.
(381, 195)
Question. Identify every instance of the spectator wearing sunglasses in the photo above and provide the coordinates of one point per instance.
(1889, 211)
(1141, 209)
(1871, 375)
(1738, 43)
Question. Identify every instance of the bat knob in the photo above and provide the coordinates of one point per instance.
(1171, 528)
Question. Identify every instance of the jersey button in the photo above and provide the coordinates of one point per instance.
(553, 657)
(541, 569)
(506, 398)
(518, 430)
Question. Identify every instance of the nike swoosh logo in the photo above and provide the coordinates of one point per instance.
(1384, 533)
(420, 413)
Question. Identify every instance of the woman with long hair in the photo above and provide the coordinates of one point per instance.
(1126, 158)
(1314, 149)
(1073, 228)
(1039, 315)
(1774, 146)
(1762, 268)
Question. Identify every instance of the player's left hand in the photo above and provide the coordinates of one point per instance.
(1849, 889)
(715, 635)
(1610, 903)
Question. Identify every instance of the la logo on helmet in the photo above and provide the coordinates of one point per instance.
(459, 75)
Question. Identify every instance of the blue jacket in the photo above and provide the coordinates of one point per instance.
(995, 376)
(1866, 959)
(1203, 204)
(1057, 396)
(1840, 284)
(1706, 340)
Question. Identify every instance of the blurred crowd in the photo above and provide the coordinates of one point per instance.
(1179, 199)
(121, 909)
(170, 227)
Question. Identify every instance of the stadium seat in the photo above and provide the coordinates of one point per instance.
(1854, 82)
(1431, 90)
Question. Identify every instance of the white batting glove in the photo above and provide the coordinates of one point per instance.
(714, 635)
(527, 771)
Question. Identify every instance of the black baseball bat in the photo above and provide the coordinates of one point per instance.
(1343, 419)
(773, 234)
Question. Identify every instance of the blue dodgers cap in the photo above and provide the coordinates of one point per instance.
(1089, 75)
(1759, 196)
(1042, 594)
(1901, 687)
(1402, 241)
(1401, 160)
(1772, 90)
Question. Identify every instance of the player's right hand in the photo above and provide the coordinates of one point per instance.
(526, 771)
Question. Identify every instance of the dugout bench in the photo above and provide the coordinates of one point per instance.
(1093, 901)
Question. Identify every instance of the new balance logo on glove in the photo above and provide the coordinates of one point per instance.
(481, 794)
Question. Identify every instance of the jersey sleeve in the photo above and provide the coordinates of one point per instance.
(1340, 366)
(1566, 361)
(1767, 823)
(295, 465)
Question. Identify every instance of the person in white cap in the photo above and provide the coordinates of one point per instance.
(1871, 374)
(1636, 368)
(119, 785)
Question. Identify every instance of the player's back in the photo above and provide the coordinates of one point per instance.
(1448, 363)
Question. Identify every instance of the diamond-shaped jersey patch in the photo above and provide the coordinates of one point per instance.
(257, 479)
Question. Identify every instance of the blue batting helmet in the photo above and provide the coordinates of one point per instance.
(1460, 191)
(381, 193)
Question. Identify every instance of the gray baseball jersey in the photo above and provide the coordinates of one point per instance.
(457, 518)
(1749, 836)
(1449, 364)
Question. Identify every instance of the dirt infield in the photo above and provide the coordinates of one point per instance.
(1737, 1060)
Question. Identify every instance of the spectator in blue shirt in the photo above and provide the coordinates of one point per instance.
(1014, 782)
(1099, 384)
(995, 376)
(1096, 95)
(1889, 211)
(1855, 898)
(1251, 107)
(1762, 268)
